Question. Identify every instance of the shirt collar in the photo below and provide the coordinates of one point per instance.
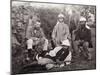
(87, 27)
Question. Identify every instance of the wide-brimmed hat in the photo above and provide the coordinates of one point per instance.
(60, 15)
(82, 18)
(66, 42)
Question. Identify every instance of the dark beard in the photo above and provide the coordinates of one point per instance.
(82, 26)
(36, 28)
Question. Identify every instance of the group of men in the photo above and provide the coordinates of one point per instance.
(61, 55)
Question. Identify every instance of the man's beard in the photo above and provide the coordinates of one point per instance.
(36, 28)
(82, 25)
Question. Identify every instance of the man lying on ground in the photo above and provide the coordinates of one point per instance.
(58, 57)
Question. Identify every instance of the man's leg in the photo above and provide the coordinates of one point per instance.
(86, 46)
(29, 48)
(49, 63)
(76, 49)
(29, 43)
(68, 58)
(44, 61)
(45, 46)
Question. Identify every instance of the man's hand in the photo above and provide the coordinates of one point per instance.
(58, 61)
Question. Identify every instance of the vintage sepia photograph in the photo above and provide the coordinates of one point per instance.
(52, 37)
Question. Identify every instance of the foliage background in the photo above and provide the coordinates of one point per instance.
(47, 13)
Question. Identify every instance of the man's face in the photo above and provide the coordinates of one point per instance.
(19, 24)
(82, 23)
(61, 19)
(37, 25)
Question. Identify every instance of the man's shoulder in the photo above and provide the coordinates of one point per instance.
(88, 29)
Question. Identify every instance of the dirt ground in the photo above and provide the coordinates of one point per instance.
(78, 64)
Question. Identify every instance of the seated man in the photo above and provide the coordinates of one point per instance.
(83, 38)
(37, 37)
(58, 57)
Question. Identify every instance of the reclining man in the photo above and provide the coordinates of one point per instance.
(83, 38)
(58, 57)
(36, 38)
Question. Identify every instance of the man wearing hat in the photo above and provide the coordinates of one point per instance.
(83, 37)
(60, 31)
(36, 39)
(58, 57)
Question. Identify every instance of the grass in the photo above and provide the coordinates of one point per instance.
(79, 64)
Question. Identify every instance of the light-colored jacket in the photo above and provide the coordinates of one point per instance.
(60, 33)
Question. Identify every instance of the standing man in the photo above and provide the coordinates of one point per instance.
(60, 31)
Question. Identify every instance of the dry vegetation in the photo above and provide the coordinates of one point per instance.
(48, 17)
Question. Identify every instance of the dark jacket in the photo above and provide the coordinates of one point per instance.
(84, 34)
